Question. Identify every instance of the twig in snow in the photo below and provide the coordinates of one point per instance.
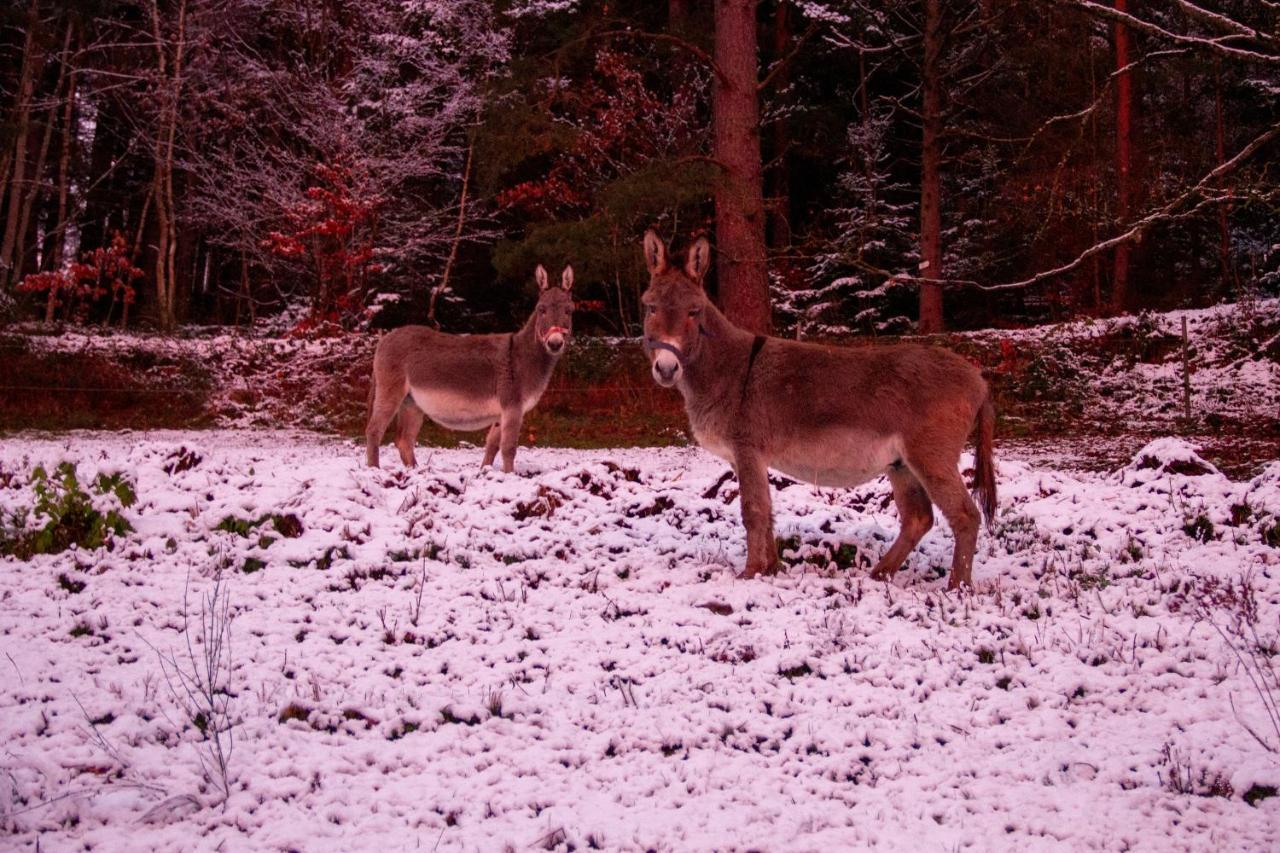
(200, 683)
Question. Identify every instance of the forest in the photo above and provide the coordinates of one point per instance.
(314, 166)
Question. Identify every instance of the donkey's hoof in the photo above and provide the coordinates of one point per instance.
(883, 573)
(954, 583)
(759, 570)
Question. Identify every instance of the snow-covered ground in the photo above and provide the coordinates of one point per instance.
(452, 658)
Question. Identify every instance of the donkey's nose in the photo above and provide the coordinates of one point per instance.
(555, 343)
(666, 369)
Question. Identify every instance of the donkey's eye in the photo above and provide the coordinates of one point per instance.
(694, 312)
(650, 310)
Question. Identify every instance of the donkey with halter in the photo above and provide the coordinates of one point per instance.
(828, 415)
(468, 382)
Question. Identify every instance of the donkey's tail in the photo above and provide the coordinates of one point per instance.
(984, 470)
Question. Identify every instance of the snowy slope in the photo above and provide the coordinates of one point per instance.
(457, 659)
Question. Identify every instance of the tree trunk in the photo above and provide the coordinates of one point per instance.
(57, 243)
(37, 174)
(677, 16)
(22, 125)
(1229, 283)
(779, 222)
(741, 272)
(931, 173)
(166, 131)
(1124, 160)
(457, 238)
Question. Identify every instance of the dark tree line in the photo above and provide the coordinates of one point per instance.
(861, 166)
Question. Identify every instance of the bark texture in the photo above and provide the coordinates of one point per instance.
(931, 173)
(740, 217)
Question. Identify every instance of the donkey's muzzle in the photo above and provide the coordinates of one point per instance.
(555, 339)
(667, 361)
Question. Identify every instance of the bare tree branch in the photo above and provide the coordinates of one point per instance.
(1171, 211)
(782, 63)
(1207, 44)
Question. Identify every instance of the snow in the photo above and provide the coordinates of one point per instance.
(564, 658)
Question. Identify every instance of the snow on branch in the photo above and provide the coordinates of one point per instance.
(1213, 45)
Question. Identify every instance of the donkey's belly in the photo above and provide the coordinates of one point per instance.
(456, 411)
(844, 458)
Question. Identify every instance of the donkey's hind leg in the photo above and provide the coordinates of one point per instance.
(407, 434)
(491, 445)
(385, 403)
(946, 489)
(915, 512)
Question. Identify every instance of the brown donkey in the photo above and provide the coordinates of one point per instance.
(828, 415)
(468, 382)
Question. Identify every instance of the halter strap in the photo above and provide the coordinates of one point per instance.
(651, 344)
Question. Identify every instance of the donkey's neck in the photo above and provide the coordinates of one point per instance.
(721, 366)
(531, 364)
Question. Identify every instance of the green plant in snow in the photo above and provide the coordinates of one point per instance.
(66, 514)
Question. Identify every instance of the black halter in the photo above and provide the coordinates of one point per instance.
(651, 344)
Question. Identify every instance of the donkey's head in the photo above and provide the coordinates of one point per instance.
(553, 318)
(673, 308)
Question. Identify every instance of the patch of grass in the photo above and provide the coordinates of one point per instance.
(793, 672)
(544, 505)
(181, 460)
(253, 564)
(294, 711)
(69, 584)
(241, 527)
(1270, 533)
(325, 561)
(1258, 793)
(447, 715)
(288, 526)
(1100, 579)
(1200, 528)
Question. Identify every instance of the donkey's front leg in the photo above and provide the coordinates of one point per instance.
(757, 512)
(509, 428)
(491, 445)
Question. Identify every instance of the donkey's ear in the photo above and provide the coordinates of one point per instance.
(655, 252)
(541, 275)
(699, 260)
(566, 279)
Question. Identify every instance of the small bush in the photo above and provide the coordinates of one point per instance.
(72, 516)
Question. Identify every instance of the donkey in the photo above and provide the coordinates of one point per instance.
(468, 382)
(827, 415)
